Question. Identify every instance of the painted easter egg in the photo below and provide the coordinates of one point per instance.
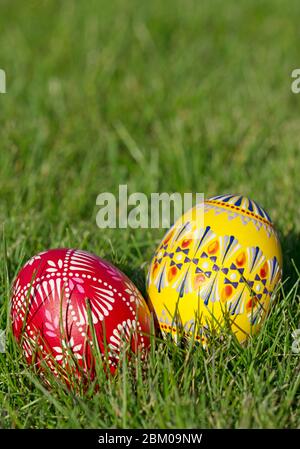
(67, 303)
(223, 268)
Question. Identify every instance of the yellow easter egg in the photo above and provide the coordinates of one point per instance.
(223, 269)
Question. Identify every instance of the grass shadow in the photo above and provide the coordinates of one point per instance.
(290, 244)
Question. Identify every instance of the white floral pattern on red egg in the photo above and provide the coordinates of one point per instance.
(51, 301)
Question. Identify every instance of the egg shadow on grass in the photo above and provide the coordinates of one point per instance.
(290, 244)
(138, 276)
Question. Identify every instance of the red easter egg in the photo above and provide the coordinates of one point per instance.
(65, 302)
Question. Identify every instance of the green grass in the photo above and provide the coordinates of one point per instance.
(162, 96)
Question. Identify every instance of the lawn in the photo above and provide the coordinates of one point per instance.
(165, 96)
